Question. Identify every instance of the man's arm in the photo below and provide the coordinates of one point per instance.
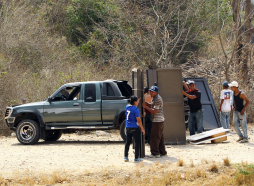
(221, 102)
(154, 111)
(140, 125)
(231, 97)
(246, 102)
(188, 95)
(185, 86)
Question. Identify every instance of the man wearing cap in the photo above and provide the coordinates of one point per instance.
(157, 146)
(226, 97)
(239, 114)
(196, 113)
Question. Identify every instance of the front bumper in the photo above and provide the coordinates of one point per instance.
(10, 122)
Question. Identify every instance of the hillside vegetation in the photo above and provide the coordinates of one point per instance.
(44, 44)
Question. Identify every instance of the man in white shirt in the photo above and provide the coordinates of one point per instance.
(226, 98)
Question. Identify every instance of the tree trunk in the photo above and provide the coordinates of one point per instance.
(248, 34)
(237, 22)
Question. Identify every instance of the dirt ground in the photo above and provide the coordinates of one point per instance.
(94, 151)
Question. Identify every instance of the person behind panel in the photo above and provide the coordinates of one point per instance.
(148, 122)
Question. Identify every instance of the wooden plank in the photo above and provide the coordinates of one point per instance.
(207, 134)
(208, 139)
(219, 140)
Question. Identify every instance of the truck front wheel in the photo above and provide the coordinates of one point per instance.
(28, 132)
(123, 130)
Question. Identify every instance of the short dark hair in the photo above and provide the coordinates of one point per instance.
(146, 89)
(133, 99)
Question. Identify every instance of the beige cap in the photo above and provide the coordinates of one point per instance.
(233, 84)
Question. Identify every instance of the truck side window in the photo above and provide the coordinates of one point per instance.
(107, 90)
(90, 93)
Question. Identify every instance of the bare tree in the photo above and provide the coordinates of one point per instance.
(156, 33)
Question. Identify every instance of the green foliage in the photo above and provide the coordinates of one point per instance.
(246, 169)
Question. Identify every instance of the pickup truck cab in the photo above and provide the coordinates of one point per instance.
(74, 106)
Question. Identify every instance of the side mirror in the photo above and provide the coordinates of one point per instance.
(49, 100)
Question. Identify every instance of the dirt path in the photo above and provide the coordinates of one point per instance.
(88, 152)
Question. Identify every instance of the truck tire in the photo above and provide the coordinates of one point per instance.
(53, 135)
(28, 132)
(123, 130)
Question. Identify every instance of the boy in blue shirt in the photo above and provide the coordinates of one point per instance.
(133, 126)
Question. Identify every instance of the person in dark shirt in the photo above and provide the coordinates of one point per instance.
(196, 113)
(239, 112)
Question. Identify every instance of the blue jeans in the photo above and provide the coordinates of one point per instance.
(240, 120)
(224, 119)
(195, 119)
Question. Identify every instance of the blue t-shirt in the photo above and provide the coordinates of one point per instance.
(131, 113)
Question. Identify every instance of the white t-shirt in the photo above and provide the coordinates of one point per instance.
(227, 95)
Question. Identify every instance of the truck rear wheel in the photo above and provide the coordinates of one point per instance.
(53, 135)
(123, 130)
(28, 132)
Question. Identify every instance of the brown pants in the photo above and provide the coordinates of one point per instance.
(157, 145)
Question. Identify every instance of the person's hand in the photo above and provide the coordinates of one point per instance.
(143, 131)
(242, 112)
(219, 109)
(144, 105)
(233, 108)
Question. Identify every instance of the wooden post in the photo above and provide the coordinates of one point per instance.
(137, 85)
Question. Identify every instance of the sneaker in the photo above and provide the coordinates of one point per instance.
(163, 155)
(244, 141)
(154, 156)
(240, 138)
(126, 159)
(137, 160)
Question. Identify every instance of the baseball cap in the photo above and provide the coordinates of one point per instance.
(225, 83)
(233, 84)
(190, 82)
(154, 89)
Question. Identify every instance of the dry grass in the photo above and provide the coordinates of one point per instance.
(180, 162)
(172, 175)
(214, 168)
(192, 164)
(200, 173)
(226, 161)
(204, 161)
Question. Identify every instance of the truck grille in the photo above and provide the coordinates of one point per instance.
(8, 112)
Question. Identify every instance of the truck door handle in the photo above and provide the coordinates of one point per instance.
(75, 104)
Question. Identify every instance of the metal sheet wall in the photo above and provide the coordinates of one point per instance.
(169, 82)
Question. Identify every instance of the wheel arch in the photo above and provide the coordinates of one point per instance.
(120, 118)
(28, 114)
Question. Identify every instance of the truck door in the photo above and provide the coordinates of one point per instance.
(65, 107)
(91, 106)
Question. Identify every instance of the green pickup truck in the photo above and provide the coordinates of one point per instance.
(74, 106)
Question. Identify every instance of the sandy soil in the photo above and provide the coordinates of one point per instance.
(77, 153)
